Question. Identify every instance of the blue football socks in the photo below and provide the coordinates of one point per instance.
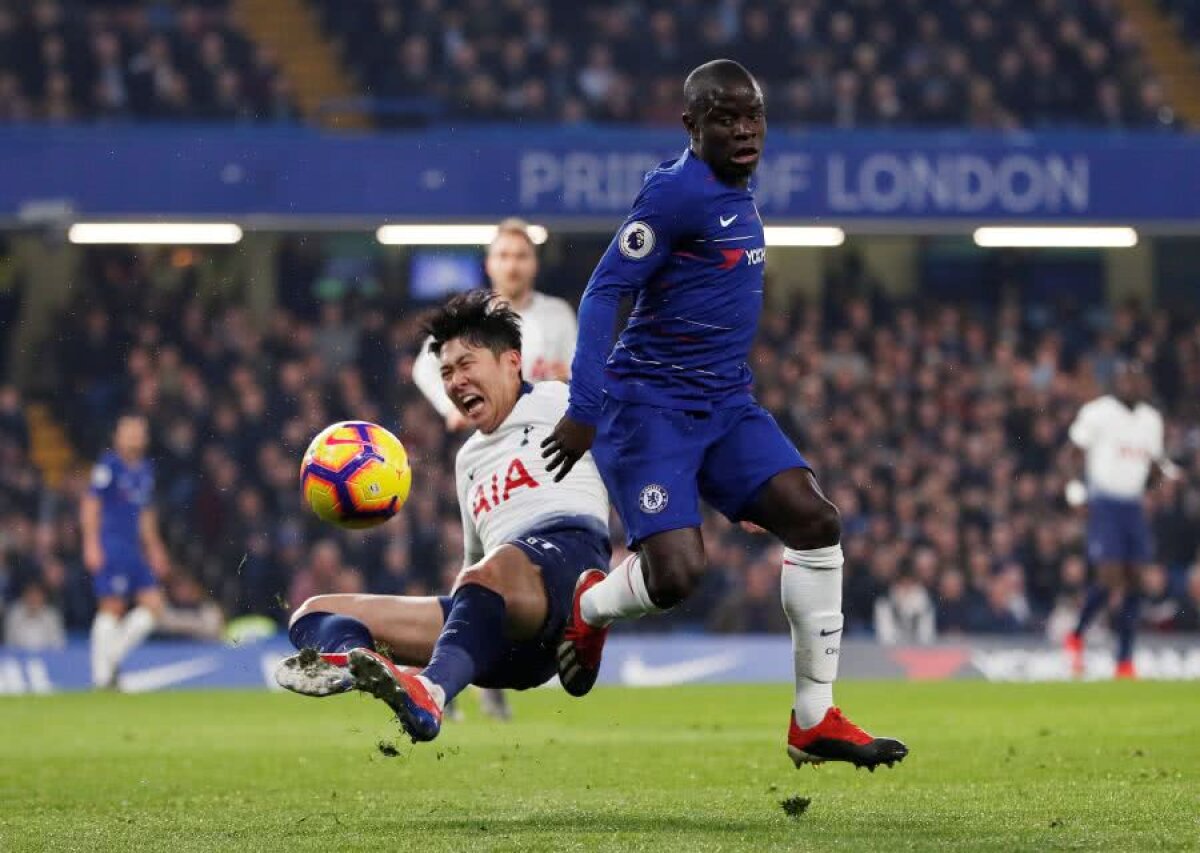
(1097, 596)
(330, 632)
(1126, 625)
(471, 640)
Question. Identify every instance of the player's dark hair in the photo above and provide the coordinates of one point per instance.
(480, 319)
(706, 80)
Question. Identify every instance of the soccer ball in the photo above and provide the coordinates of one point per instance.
(355, 474)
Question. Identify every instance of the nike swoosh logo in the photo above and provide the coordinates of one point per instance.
(825, 633)
(725, 223)
(158, 677)
(637, 673)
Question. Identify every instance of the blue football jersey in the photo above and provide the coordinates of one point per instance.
(692, 253)
(124, 491)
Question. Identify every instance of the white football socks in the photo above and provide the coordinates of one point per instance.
(106, 632)
(621, 595)
(135, 628)
(811, 589)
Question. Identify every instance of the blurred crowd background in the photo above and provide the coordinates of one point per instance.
(937, 425)
(102, 60)
(858, 63)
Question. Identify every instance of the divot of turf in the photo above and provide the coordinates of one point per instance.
(387, 750)
(795, 806)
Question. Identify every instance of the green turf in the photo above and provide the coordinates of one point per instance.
(993, 767)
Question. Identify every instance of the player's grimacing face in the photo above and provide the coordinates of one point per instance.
(728, 131)
(482, 385)
(511, 265)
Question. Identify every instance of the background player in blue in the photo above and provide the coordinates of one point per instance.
(669, 416)
(120, 544)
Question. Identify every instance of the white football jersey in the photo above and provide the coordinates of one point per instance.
(504, 490)
(1121, 444)
(548, 331)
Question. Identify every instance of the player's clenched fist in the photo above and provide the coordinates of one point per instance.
(569, 441)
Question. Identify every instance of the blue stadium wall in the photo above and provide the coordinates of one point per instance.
(588, 176)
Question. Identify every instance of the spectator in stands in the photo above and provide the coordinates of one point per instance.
(954, 604)
(321, 575)
(905, 615)
(1159, 608)
(13, 428)
(32, 623)
(1002, 611)
(751, 604)
(189, 611)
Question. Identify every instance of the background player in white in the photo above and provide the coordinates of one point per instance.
(528, 542)
(548, 326)
(548, 331)
(120, 545)
(1121, 436)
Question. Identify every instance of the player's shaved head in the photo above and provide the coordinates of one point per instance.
(725, 119)
(707, 82)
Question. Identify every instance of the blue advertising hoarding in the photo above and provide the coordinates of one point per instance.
(591, 175)
(629, 659)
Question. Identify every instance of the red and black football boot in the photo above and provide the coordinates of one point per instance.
(1125, 671)
(416, 708)
(582, 645)
(835, 738)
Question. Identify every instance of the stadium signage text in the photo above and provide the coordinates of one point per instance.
(888, 183)
(592, 175)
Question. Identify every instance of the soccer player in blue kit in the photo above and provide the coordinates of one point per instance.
(120, 544)
(669, 417)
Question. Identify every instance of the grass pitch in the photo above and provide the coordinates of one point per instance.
(992, 767)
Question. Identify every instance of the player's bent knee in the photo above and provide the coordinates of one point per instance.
(315, 604)
(819, 527)
(487, 574)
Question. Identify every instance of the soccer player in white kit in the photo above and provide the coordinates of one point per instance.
(529, 542)
(548, 326)
(548, 331)
(1121, 436)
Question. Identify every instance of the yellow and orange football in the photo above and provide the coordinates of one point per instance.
(355, 474)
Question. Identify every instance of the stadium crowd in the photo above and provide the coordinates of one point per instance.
(938, 428)
(860, 63)
(82, 60)
(881, 63)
